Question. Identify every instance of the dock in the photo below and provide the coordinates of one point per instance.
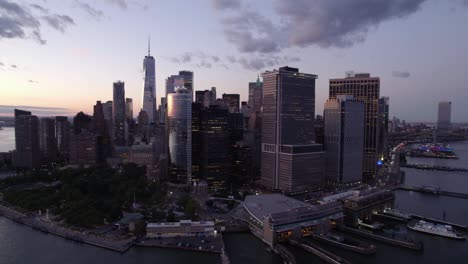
(319, 252)
(433, 191)
(285, 254)
(405, 244)
(370, 249)
(432, 167)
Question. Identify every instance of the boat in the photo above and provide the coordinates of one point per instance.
(436, 229)
(396, 213)
(373, 226)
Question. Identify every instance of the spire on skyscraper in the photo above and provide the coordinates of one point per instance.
(149, 42)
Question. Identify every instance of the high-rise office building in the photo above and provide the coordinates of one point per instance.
(27, 153)
(255, 95)
(196, 140)
(129, 108)
(187, 76)
(231, 102)
(162, 111)
(62, 136)
(47, 141)
(384, 108)
(291, 160)
(149, 90)
(367, 89)
(444, 115)
(108, 116)
(215, 146)
(179, 133)
(118, 108)
(344, 140)
(103, 141)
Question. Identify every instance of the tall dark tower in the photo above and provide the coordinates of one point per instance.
(291, 160)
(118, 108)
(367, 89)
(149, 89)
(26, 140)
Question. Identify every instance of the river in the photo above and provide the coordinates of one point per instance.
(20, 244)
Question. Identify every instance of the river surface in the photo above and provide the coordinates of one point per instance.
(21, 244)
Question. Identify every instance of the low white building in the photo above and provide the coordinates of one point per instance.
(183, 228)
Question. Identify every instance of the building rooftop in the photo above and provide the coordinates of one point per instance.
(266, 204)
(182, 223)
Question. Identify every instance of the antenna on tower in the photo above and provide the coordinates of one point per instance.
(149, 42)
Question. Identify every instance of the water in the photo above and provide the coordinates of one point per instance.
(20, 244)
(7, 139)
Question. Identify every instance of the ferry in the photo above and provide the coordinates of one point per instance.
(396, 213)
(436, 229)
(373, 226)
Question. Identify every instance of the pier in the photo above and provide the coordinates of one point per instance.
(287, 256)
(319, 252)
(432, 167)
(401, 243)
(358, 247)
(432, 190)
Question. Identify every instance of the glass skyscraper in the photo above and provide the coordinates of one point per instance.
(179, 131)
(149, 91)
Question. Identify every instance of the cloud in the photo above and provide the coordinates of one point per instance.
(198, 59)
(91, 11)
(261, 62)
(226, 4)
(59, 22)
(401, 74)
(120, 3)
(13, 66)
(19, 21)
(324, 23)
(32, 81)
(1, 64)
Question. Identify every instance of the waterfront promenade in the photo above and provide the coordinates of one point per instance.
(52, 228)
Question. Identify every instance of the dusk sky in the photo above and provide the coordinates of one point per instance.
(67, 54)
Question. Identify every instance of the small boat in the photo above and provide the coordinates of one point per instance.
(436, 229)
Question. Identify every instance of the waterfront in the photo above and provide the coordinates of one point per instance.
(22, 244)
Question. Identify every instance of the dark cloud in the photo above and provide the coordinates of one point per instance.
(325, 23)
(94, 13)
(215, 58)
(32, 81)
(1, 64)
(59, 22)
(226, 4)
(401, 74)
(19, 21)
(13, 66)
(120, 3)
(251, 32)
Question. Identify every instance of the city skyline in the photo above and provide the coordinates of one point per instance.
(394, 47)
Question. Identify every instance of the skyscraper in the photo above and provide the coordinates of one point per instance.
(103, 141)
(128, 108)
(47, 142)
(291, 160)
(384, 108)
(118, 108)
(187, 76)
(62, 136)
(367, 89)
(444, 114)
(149, 90)
(215, 146)
(27, 154)
(179, 131)
(344, 140)
(231, 102)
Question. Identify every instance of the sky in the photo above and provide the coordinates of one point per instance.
(61, 56)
